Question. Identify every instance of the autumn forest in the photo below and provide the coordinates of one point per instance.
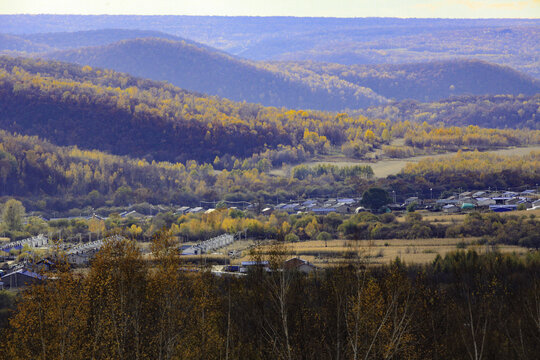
(208, 187)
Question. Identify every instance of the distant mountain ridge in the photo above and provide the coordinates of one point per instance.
(70, 40)
(428, 81)
(40, 42)
(213, 72)
(13, 43)
(300, 85)
(511, 42)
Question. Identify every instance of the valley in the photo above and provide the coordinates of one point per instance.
(269, 187)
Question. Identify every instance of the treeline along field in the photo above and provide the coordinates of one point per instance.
(49, 177)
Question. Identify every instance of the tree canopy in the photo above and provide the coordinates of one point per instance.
(375, 198)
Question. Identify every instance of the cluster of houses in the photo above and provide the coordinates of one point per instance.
(33, 242)
(16, 274)
(208, 245)
(490, 200)
(81, 254)
(480, 199)
(320, 207)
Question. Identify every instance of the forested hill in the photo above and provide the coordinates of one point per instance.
(100, 109)
(212, 72)
(12, 43)
(490, 111)
(429, 81)
(300, 85)
(41, 42)
(512, 42)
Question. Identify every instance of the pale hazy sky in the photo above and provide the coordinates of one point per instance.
(337, 8)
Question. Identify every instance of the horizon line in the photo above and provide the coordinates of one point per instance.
(280, 16)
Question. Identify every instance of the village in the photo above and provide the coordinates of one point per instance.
(16, 274)
(481, 200)
(40, 251)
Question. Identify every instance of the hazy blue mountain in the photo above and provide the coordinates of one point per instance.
(512, 42)
(428, 81)
(13, 43)
(212, 72)
(40, 42)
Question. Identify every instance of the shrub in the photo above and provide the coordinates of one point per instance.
(324, 236)
(292, 237)
(461, 245)
(387, 218)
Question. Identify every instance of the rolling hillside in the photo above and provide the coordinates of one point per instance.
(199, 69)
(310, 85)
(299, 84)
(511, 42)
(13, 43)
(428, 81)
(94, 108)
(490, 111)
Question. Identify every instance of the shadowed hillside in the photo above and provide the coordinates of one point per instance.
(492, 111)
(310, 85)
(512, 42)
(12, 43)
(215, 73)
(428, 81)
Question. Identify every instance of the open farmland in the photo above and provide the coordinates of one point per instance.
(440, 217)
(418, 251)
(385, 167)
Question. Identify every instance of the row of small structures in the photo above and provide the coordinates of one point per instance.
(33, 242)
(81, 255)
(208, 245)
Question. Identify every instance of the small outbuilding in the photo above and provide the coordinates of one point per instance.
(20, 278)
(300, 265)
(450, 209)
(467, 206)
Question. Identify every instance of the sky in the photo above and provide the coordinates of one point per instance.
(327, 8)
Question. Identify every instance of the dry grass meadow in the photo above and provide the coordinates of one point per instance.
(385, 167)
(335, 252)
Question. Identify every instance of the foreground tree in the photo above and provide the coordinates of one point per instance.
(168, 298)
(118, 283)
(50, 321)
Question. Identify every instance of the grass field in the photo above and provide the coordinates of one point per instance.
(440, 217)
(335, 252)
(385, 167)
